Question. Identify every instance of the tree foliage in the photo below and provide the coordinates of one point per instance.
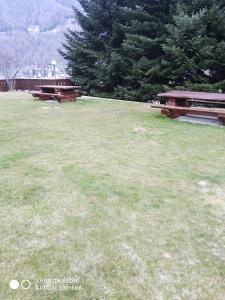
(94, 54)
(133, 50)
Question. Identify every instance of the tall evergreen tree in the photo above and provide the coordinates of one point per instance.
(194, 47)
(145, 29)
(93, 54)
(172, 43)
(187, 49)
(133, 49)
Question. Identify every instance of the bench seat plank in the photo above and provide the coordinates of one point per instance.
(214, 111)
(44, 94)
(176, 111)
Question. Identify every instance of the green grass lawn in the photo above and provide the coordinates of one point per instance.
(129, 204)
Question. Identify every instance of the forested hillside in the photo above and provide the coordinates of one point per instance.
(35, 27)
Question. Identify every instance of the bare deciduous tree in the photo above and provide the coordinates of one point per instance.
(9, 66)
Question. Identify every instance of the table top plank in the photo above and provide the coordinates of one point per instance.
(60, 87)
(194, 95)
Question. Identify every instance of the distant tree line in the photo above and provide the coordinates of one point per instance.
(134, 49)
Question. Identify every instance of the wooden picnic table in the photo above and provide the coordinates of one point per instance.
(62, 93)
(184, 98)
(180, 103)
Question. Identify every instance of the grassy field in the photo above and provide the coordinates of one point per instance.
(122, 201)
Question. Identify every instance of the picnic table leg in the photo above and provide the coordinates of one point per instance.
(185, 103)
(172, 101)
(222, 119)
(178, 102)
(171, 113)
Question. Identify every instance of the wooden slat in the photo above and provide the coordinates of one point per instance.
(200, 111)
(60, 87)
(205, 101)
(42, 93)
(194, 95)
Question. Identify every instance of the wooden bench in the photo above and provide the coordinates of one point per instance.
(177, 111)
(57, 92)
(180, 103)
(53, 96)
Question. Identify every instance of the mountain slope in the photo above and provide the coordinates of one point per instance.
(35, 27)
